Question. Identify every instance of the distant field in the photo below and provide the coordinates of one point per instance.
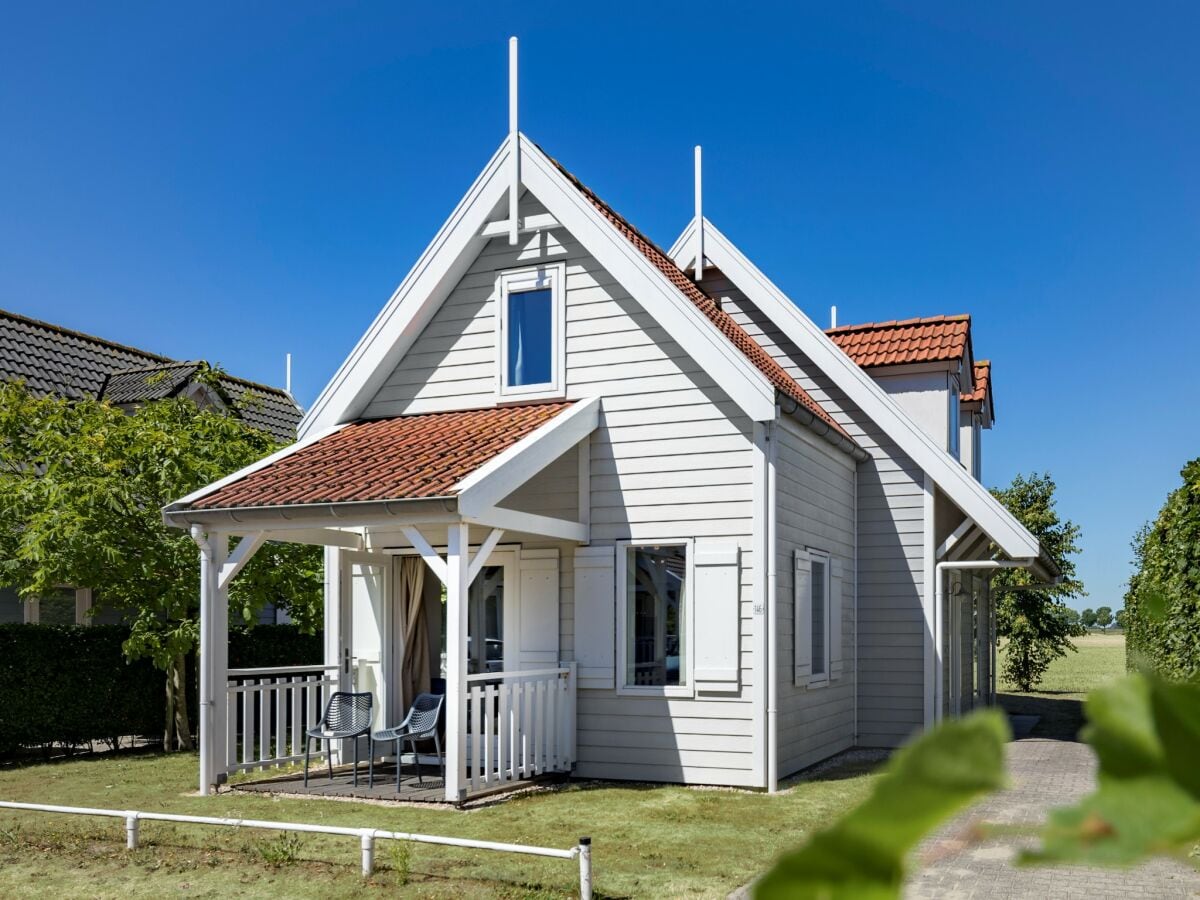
(1100, 659)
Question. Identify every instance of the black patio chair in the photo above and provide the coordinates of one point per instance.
(347, 716)
(420, 724)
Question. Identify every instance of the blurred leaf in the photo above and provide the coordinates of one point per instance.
(863, 855)
(1146, 734)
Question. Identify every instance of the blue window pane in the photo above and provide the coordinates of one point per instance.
(530, 338)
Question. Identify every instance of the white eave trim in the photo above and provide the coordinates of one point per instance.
(504, 473)
(968, 494)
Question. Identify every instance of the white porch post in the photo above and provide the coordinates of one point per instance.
(214, 656)
(334, 634)
(457, 581)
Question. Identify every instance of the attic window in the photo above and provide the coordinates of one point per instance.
(531, 334)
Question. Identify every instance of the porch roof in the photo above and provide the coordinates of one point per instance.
(413, 457)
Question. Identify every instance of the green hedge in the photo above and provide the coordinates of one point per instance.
(67, 685)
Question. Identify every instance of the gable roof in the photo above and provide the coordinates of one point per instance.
(414, 457)
(725, 323)
(1013, 539)
(750, 378)
(983, 383)
(51, 359)
(933, 339)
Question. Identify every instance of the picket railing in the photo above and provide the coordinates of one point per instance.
(519, 724)
(269, 710)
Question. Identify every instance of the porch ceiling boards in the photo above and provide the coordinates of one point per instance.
(423, 456)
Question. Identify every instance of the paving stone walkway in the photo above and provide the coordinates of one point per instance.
(1044, 773)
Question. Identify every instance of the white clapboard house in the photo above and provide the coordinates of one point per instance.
(638, 513)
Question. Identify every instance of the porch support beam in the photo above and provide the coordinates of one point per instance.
(536, 222)
(484, 551)
(545, 526)
(214, 656)
(963, 548)
(322, 537)
(457, 567)
(954, 538)
(431, 557)
(241, 555)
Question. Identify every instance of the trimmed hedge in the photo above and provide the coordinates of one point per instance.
(70, 684)
(275, 645)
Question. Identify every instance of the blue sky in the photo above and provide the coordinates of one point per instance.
(236, 181)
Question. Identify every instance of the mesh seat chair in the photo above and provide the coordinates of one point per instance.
(346, 716)
(420, 724)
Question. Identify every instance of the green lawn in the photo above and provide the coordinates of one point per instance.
(648, 841)
(1058, 701)
(1101, 658)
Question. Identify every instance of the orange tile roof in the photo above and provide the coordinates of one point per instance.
(750, 348)
(935, 339)
(983, 383)
(401, 458)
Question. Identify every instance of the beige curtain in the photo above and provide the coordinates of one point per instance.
(414, 670)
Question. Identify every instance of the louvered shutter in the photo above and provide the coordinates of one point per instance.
(595, 616)
(716, 599)
(802, 617)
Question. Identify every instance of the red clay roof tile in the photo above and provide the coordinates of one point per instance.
(983, 383)
(934, 339)
(750, 348)
(402, 458)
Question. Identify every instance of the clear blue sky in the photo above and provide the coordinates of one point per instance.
(236, 181)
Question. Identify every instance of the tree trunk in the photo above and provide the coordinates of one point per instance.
(177, 731)
(183, 729)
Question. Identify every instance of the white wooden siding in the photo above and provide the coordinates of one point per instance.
(814, 509)
(891, 628)
(672, 457)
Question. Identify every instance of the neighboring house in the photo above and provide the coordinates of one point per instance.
(683, 534)
(53, 360)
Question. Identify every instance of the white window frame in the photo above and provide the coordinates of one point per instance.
(515, 281)
(819, 679)
(688, 689)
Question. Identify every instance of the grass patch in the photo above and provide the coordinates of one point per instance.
(1058, 701)
(649, 840)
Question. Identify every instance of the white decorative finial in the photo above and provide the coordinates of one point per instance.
(288, 378)
(699, 217)
(833, 317)
(514, 143)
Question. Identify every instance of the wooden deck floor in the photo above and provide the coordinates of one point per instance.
(430, 789)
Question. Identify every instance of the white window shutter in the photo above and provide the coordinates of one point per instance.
(716, 601)
(539, 608)
(802, 617)
(835, 618)
(595, 616)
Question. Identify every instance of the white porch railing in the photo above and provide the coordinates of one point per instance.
(269, 710)
(519, 724)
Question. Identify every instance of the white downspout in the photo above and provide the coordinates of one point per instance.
(772, 624)
(938, 619)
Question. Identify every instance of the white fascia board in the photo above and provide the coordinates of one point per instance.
(500, 476)
(249, 470)
(738, 377)
(968, 494)
(420, 294)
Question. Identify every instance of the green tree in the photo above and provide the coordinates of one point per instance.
(1121, 619)
(1104, 616)
(1087, 618)
(1071, 616)
(82, 485)
(1032, 622)
(1162, 605)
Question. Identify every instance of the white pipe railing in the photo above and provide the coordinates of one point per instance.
(271, 708)
(582, 851)
(519, 724)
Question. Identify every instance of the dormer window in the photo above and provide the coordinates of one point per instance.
(531, 333)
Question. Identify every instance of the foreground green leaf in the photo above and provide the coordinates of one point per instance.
(863, 855)
(1146, 734)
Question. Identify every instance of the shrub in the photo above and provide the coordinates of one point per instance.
(275, 645)
(69, 684)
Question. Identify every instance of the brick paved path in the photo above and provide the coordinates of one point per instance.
(1043, 774)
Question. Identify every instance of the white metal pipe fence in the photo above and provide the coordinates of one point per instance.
(367, 836)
